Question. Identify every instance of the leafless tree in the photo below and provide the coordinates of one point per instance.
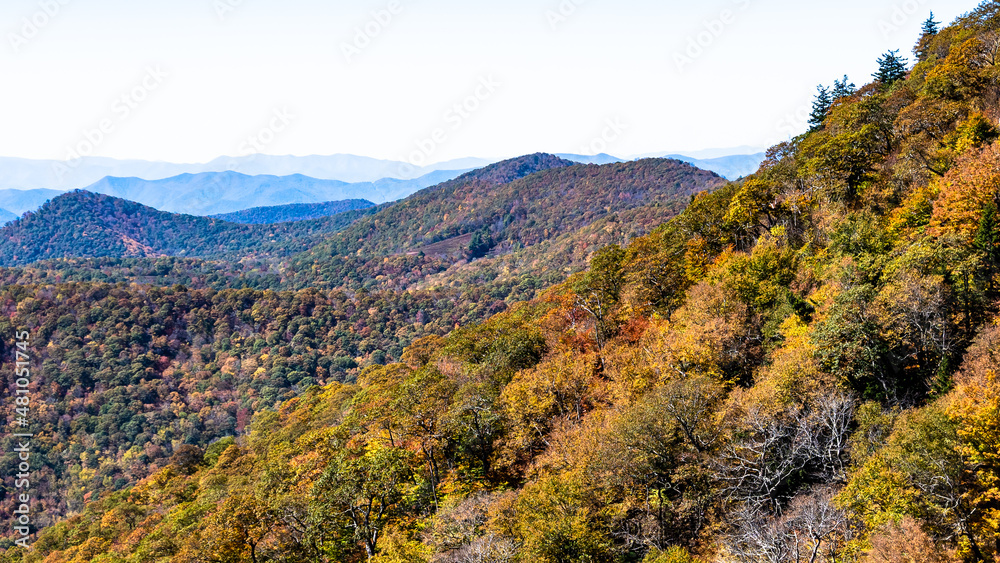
(760, 539)
(989, 52)
(457, 534)
(771, 449)
(487, 549)
(758, 463)
(829, 425)
(812, 530)
(819, 525)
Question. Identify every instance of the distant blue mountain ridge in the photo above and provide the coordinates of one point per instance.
(213, 193)
(729, 167)
(229, 191)
(28, 174)
(293, 212)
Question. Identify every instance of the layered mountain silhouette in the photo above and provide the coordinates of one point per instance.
(82, 224)
(293, 212)
(26, 174)
(512, 204)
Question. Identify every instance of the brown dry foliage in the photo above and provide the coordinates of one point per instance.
(906, 542)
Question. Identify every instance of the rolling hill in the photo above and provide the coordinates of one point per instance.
(508, 210)
(343, 167)
(544, 197)
(800, 366)
(85, 224)
(6, 216)
(22, 201)
(591, 159)
(213, 193)
(498, 210)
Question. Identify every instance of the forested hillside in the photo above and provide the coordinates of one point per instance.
(166, 271)
(135, 372)
(496, 211)
(83, 224)
(212, 193)
(800, 366)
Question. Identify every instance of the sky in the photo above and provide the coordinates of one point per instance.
(428, 80)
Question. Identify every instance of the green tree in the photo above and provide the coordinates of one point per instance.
(361, 492)
(930, 26)
(482, 242)
(891, 68)
(844, 155)
(849, 344)
(599, 291)
(843, 88)
(929, 30)
(821, 106)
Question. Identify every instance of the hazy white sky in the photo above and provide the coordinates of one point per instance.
(190, 80)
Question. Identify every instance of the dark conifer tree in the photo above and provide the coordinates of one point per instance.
(891, 68)
(930, 26)
(843, 88)
(928, 31)
(482, 242)
(821, 106)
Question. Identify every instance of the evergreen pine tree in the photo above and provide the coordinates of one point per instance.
(891, 68)
(843, 88)
(821, 106)
(930, 27)
(928, 31)
(482, 242)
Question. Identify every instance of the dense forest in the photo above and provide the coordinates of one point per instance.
(83, 224)
(146, 356)
(799, 366)
(504, 210)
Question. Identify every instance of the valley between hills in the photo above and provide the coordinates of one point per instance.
(537, 359)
